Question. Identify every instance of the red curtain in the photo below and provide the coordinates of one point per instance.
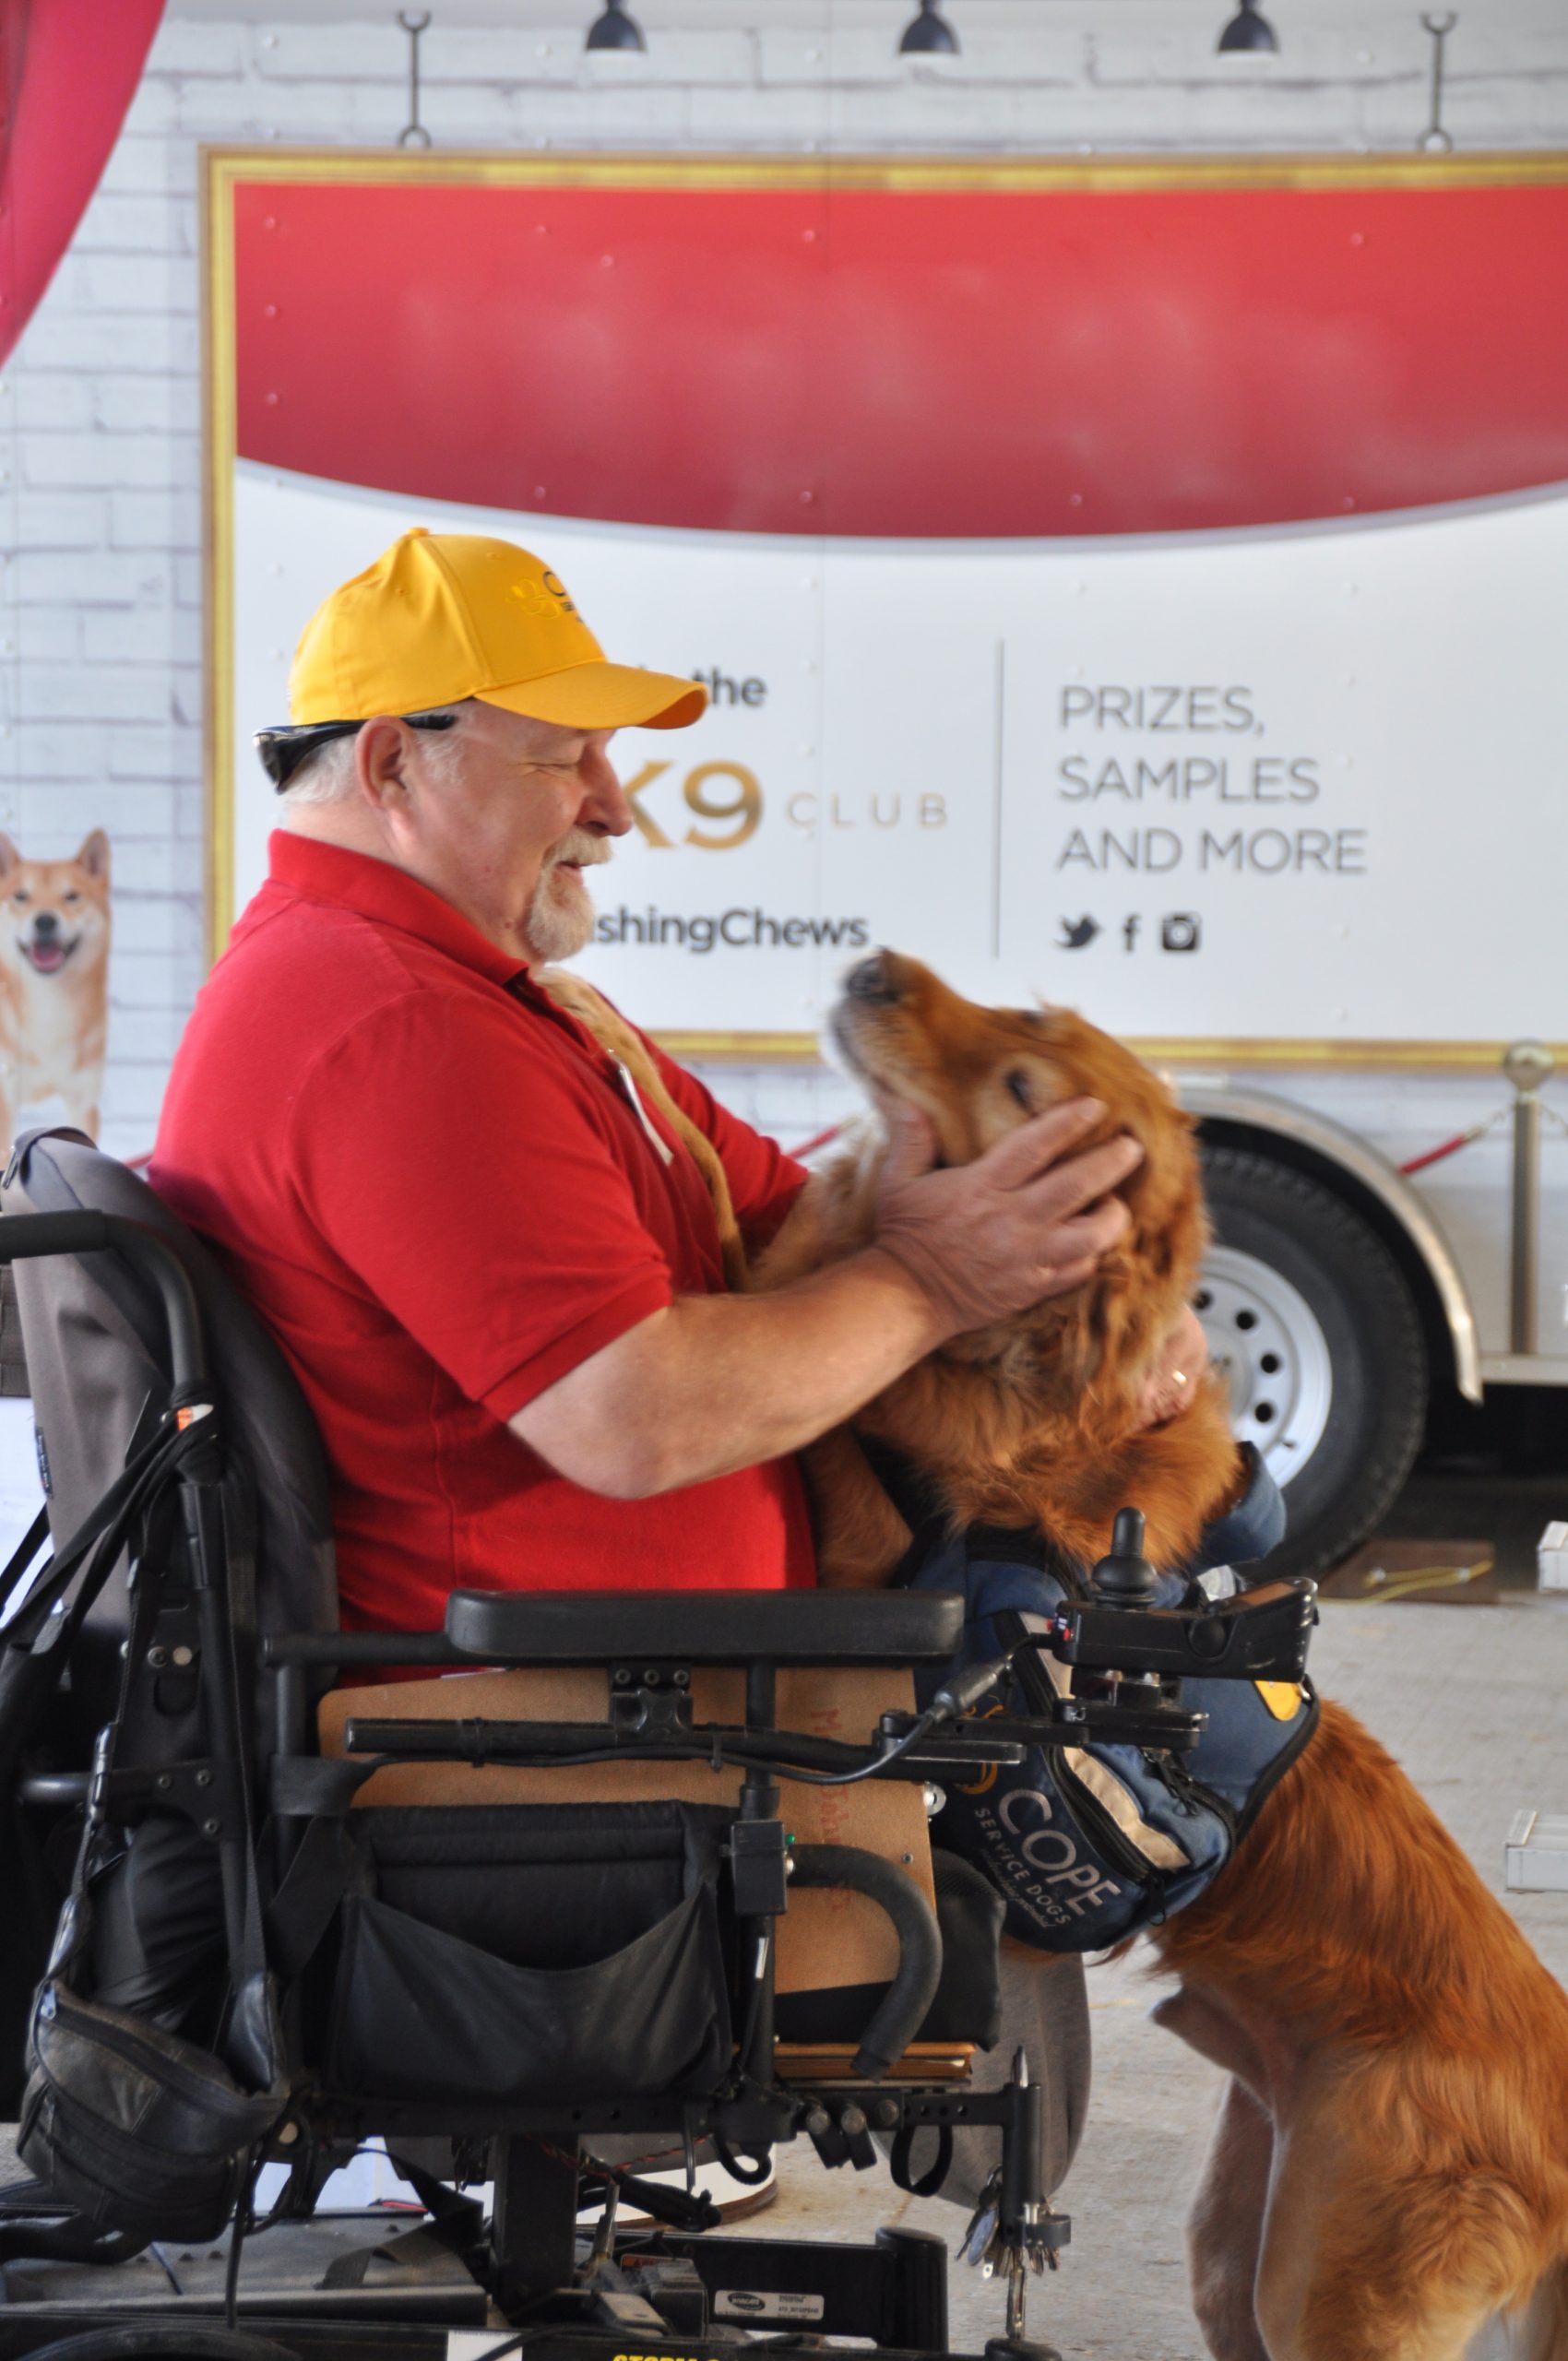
(67, 72)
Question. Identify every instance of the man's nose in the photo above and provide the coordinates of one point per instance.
(604, 805)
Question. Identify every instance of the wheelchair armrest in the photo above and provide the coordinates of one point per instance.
(725, 1627)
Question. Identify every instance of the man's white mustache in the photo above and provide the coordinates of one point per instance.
(580, 848)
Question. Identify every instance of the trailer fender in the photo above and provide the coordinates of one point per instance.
(1317, 1145)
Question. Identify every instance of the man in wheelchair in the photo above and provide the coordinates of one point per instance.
(292, 1925)
(547, 1383)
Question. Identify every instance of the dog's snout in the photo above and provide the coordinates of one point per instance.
(872, 980)
(46, 923)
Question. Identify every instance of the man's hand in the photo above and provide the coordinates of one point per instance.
(712, 1384)
(1027, 1220)
(1173, 1383)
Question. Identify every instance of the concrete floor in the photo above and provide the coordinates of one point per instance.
(1474, 1702)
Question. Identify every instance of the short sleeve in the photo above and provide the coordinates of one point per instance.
(469, 1184)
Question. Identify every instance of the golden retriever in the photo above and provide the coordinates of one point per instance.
(1390, 2166)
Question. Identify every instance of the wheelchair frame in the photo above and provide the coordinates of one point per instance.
(526, 2268)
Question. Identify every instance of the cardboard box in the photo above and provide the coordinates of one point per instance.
(1537, 1853)
(1552, 1558)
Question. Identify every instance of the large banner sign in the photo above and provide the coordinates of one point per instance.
(1138, 586)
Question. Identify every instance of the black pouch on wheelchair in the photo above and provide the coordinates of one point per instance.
(141, 2131)
(530, 1955)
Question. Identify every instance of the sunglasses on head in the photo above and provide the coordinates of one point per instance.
(284, 749)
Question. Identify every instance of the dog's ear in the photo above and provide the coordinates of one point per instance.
(10, 857)
(94, 854)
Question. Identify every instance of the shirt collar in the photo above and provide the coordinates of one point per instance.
(378, 890)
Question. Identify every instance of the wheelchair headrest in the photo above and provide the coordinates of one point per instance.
(96, 1358)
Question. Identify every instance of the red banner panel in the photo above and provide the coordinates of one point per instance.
(928, 362)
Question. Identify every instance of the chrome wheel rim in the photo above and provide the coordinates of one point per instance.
(1267, 1344)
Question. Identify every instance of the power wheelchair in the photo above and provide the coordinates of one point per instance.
(249, 1969)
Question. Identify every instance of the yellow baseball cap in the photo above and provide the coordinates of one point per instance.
(444, 616)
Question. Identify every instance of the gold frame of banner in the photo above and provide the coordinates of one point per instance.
(224, 168)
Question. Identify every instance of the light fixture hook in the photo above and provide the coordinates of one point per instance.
(414, 133)
(928, 31)
(1249, 30)
(1434, 140)
(614, 28)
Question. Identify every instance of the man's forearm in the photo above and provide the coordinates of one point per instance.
(717, 1383)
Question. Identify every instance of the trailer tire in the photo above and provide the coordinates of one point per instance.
(1313, 1321)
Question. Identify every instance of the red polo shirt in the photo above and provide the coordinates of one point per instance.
(435, 1189)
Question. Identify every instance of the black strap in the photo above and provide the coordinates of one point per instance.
(100, 1538)
(455, 2220)
(36, 1643)
(915, 1495)
(750, 2175)
(24, 1553)
(1006, 1544)
(305, 1786)
(899, 2156)
(320, 1874)
(252, 2039)
(911, 1491)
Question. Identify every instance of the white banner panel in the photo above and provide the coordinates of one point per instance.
(1284, 784)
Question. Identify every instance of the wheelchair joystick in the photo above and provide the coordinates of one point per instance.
(1125, 1578)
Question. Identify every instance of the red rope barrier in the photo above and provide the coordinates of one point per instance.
(1448, 1147)
(823, 1139)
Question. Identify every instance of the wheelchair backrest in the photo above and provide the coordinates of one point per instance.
(98, 1363)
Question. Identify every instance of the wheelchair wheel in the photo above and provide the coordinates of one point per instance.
(147, 2340)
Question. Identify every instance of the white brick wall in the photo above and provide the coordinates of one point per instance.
(100, 493)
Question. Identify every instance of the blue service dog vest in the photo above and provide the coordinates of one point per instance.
(1089, 1844)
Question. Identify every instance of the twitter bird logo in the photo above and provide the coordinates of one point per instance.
(1077, 933)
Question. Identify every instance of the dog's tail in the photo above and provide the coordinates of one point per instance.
(1542, 2333)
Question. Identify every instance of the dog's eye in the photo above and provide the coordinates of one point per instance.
(22, 898)
(70, 896)
(1018, 1087)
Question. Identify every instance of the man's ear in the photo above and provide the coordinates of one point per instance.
(381, 751)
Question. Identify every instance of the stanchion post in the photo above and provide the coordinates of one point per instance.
(1526, 1065)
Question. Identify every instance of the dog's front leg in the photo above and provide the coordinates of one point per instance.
(1225, 2228)
(860, 1534)
(800, 1246)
